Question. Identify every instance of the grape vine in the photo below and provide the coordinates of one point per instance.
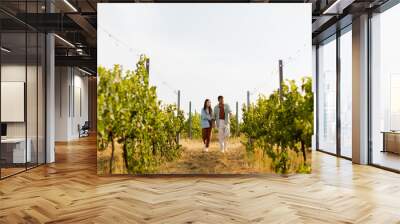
(278, 124)
(130, 114)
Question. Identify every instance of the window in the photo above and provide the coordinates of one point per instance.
(385, 89)
(346, 94)
(327, 96)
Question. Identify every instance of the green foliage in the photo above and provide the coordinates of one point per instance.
(108, 109)
(235, 127)
(196, 126)
(130, 113)
(277, 125)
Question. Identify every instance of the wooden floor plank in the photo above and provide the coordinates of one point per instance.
(69, 191)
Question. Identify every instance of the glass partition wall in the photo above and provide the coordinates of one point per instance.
(22, 107)
(334, 116)
(346, 93)
(385, 89)
(327, 95)
(13, 86)
(334, 90)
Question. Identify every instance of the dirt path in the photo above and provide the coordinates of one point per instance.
(235, 160)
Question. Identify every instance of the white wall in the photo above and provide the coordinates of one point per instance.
(12, 73)
(62, 82)
(71, 94)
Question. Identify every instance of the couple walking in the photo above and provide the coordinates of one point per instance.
(220, 116)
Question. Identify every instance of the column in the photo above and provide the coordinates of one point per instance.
(360, 90)
(50, 92)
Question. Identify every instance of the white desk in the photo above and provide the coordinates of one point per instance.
(19, 155)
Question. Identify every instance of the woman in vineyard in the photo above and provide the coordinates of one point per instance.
(206, 123)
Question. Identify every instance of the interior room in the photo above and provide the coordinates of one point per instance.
(22, 103)
(71, 100)
(25, 64)
(50, 137)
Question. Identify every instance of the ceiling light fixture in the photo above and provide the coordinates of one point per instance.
(70, 5)
(86, 72)
(337, 7)
(5, 50)
(64, 40)
(333, 6)
(79, 51)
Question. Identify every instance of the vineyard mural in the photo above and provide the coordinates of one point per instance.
(204, 89)
(133, 127)
(139, 134)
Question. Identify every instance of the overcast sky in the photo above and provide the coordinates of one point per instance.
(206, 50)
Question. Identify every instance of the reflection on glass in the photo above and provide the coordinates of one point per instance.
(14, 153)
(394, 102)
(346, 94)
(22, 91)
(327, 97)
(386, 89)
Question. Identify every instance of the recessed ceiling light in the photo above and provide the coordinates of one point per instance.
(64, 40)
(70, 5)
(86, 72)
(5, 50)
(337, 7)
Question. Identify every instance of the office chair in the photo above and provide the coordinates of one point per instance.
(84, 130)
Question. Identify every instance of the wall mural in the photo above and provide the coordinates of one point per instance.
(180, 97)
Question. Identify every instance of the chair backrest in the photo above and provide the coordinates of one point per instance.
(86, 124)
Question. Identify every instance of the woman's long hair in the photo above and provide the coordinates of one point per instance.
(205, 106)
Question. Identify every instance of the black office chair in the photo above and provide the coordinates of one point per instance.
(84, 130)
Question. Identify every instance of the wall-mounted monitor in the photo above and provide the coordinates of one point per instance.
(3, 129)
(12, 101)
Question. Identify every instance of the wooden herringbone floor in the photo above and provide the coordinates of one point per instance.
(69, 191)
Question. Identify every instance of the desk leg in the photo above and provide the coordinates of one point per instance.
(384, 142)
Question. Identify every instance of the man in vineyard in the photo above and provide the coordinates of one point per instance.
(222, 113)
